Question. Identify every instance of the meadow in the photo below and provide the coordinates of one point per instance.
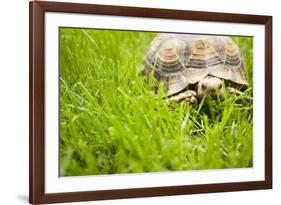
(111, 122)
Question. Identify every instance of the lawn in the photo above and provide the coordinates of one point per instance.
(111, 122)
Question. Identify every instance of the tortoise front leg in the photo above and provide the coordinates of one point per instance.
(236, 92)
(187, 96)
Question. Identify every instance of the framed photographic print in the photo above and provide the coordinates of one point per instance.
(139, 102)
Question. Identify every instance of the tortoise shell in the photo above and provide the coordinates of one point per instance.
(179, 60)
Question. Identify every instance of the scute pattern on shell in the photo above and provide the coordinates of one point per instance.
(179, 59)
(166, 58)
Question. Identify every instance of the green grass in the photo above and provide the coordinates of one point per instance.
(111, 122)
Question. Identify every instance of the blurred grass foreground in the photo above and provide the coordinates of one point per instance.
(111, 122)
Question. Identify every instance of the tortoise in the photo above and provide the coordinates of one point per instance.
(193, 66)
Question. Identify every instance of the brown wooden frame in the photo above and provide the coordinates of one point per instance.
(36, 100)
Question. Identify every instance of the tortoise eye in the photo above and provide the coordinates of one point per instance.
(203, 86)
(220, 86)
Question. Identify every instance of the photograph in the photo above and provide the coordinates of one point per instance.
(129, 102)
(133, 102)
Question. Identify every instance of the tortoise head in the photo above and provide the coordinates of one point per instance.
(210, 86)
